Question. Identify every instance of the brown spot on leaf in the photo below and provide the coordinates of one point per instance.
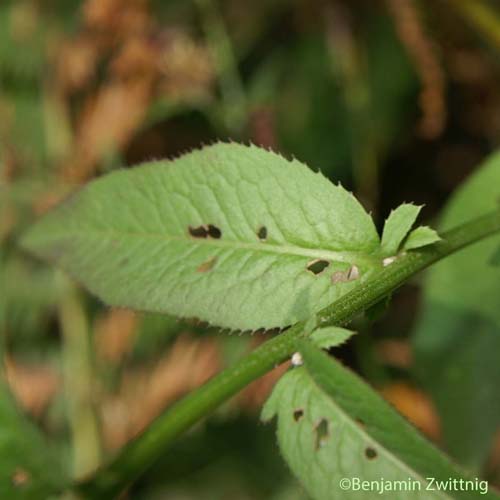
(208, 265)
(339, 277)
(262, 233)
(317, 266)
(370, 453)
(344, 276)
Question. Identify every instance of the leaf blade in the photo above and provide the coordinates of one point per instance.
(330, 336)
(421, 237)
(147, 238)
(365, 438)
(29, 469)
(459, 324)
(397, 226)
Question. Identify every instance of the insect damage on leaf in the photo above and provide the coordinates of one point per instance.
(208, 265)
(156, 252)
(205, 231)
(317, 266)
(344, 276)
(262, 233)
(345, 429)
(191, 241)
(322, 434)
(298, 414)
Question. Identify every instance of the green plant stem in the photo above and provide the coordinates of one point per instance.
(138, 455)
(78, 381)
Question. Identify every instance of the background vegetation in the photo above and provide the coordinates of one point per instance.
(397, 99)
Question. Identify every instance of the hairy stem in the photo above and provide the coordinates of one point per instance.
(138, 455)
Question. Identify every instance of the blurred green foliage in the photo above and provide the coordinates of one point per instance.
(346, 86)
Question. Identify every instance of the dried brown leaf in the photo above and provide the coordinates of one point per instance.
(114, 334)
(415, 405)
(33, 385)
(189, 363)
(107, 124)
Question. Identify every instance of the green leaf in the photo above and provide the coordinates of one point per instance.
(331, 426)
(495, 258)
(457, 338)
(330, 336)
(234, 235)
(421, 237)
(29, 468)
(397, 226)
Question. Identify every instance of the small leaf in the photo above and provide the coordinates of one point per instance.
(330, 336)
(397, 226)
(421, 237)
(331, 426)
(229, 234)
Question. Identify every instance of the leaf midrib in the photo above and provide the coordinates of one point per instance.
(349, 257)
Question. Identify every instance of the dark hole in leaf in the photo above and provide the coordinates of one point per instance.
(198, 232)
(262, 233)
(206, 231)
(321, 431)
(317, 266)
(214, 232)
(298, 414)
(208, 265)
(370, 453)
